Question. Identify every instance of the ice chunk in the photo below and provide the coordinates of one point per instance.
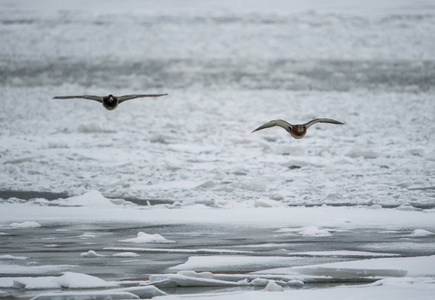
(87, 235)
(194, 274)
(296, 283)
(143, 237)
(126, 254)
(3, 294)
(255, 185)
(98, 295)
(232, 262)
(67, 280)
(343, 253)
(259, 282)
(273, 287)
(91, 198)
(191, 278)
(206, 185)
(143, 292)
(79, 280)
(308, 231)
(350, 273)
(26, 224)
(31, 270)
(366, 153)
(12, 257)
(92, 128)
(90, 253)
(268, 203)
(420, 233)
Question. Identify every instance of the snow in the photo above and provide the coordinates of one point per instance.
(320, 217)
(190, 159)
(236, 262)
(90, 254)
(191, 278)
(12, 257)
(91, 198)
(395, 267)
(413, 277)
(143, 238)
(343, 253)
(31, 270)
(309, 231)
(273, 287)
(420, 233)
(68, 280)
(237, 83)
(126, 254)
(173, 250)
(25, 224)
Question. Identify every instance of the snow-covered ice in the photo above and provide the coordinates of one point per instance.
(420, 233)
(126, 254)
(177, 192)
(25, 224)
(273, 287)
(90, 254)
(67, 280)
(239, 263)
(143, 238)
(309, 231)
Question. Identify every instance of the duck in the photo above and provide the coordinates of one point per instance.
(110, 102)
(297, 131)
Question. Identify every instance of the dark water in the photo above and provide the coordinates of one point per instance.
(62, 244)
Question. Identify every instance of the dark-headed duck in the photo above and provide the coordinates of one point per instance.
(297, 131)
(110, 102)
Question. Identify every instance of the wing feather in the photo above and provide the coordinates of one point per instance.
(89, 97)
(281, 123)
(129, 97)
(322, 120)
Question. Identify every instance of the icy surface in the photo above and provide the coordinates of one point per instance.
(369, 65)
(81, 187)
(391, 290)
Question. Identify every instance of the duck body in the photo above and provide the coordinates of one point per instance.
(110, 102)
(297, 131)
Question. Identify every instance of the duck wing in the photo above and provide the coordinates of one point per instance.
(89, 97)
(129, 97)
(281, 123)
(322, 120)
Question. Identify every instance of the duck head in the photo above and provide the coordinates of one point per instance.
(298, 131)
(110, 102)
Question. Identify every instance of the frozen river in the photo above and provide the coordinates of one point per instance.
(242, 250)
(95, 200)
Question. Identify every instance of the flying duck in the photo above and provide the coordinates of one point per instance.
(110, 102)
(297, 131)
